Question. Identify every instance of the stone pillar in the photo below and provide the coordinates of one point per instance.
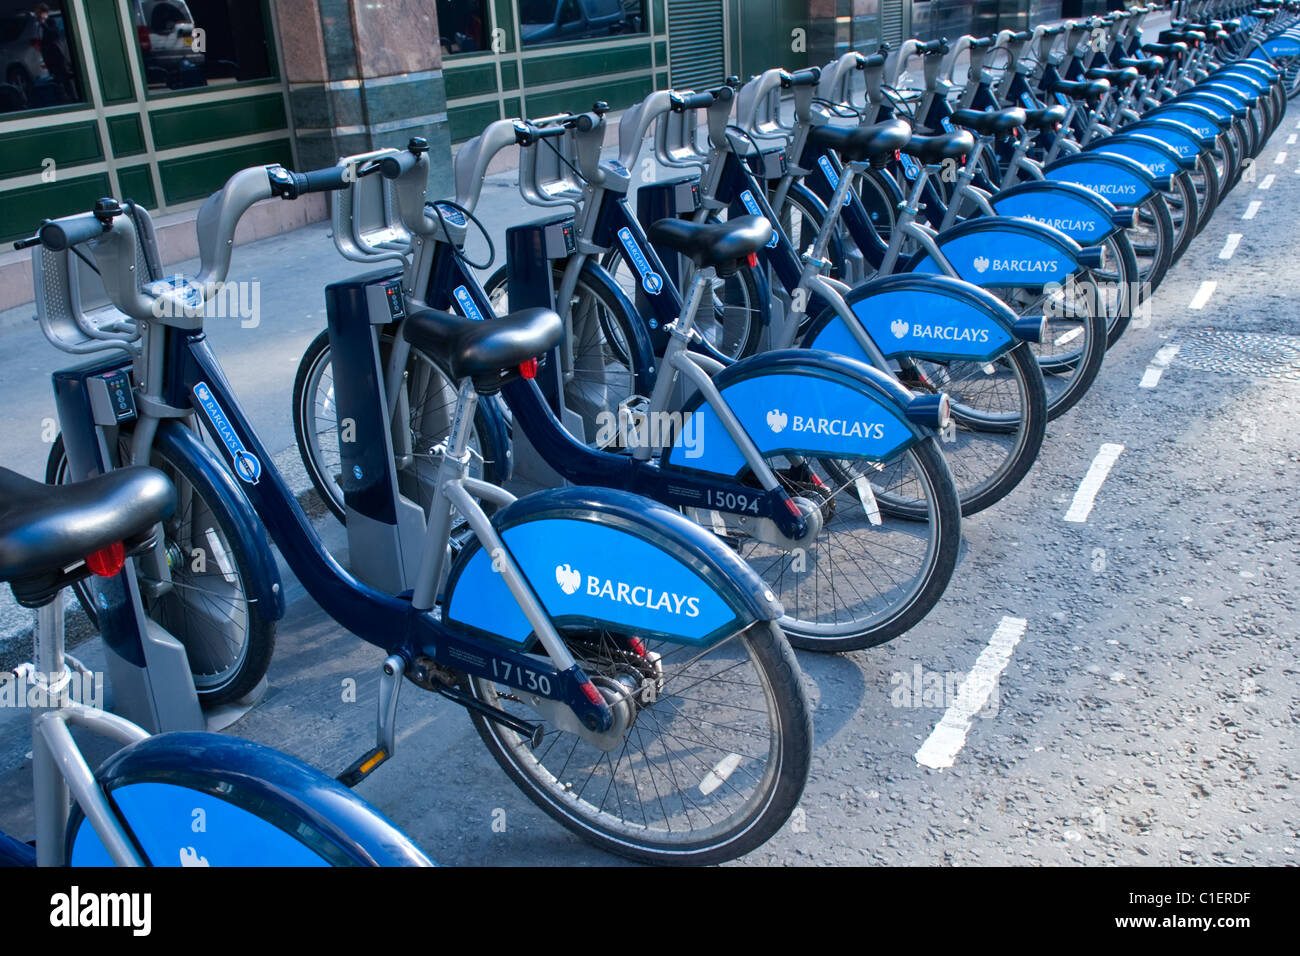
(362, 76)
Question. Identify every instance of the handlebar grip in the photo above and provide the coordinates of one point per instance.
(391, 167)
(808, 77)
(60, 234)
(695, 101)
(325, 180)
(527, 134)
(724, 94)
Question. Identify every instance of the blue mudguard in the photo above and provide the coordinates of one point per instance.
(1278, 47)
(1078, 212)
(1116, 178)
(1181, 138)
(998, 252)
(209, 800)
(608, 560)
(798, 402)
(179, 441)
(1201, 119)
(1159, 159)
(1247, 74)
(921, 316)
(1222, 102)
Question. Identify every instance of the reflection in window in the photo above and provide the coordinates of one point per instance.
(37, 56)
(195, 43)
(563, 21)
(463, 26)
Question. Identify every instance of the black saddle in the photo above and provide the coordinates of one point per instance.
(1047, 118)
(1119, 79)
(722, 245)
(1168, 50)
(1146, 65)
(992, 123)
(931, 150)
(488, 352)
(877, 143)
(1090, 90)
(46, 530)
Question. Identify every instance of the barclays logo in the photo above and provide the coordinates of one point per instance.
(776, 420)
(567, 578)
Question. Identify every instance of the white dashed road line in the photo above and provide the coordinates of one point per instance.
(1267, 181)
(1084, 497)
(1290, 140)
(949, 735)
(1203, 294)
(1230, 246)
(1280, 158)
(1252, 209)
(1151, 377)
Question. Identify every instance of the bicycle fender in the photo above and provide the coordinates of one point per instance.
(1201, 119)
(921, 316)
(1279, 47)
(799, 402)
(644, 359)
(1116, 178)
(608, 560)
(997, 252)
(1180, 137)
(1155, 156)
(1078, 212)
(178, 440)
(259, 808)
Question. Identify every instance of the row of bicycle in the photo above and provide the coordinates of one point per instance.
(776, 380)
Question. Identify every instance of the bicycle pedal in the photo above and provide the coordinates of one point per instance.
(364, 766)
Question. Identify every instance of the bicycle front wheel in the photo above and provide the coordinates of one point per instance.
(711, 764)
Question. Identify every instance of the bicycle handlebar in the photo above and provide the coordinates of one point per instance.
(60, 234)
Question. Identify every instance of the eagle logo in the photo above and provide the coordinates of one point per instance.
(898, 327)
(567, 578)
(981, 264)
(776, 420)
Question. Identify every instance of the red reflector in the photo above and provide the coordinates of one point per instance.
(637, 647)
(752, 259)
(817, 482)
(793, 508)
(898, 155)
(106, 562)
(590, 692)
(528, 369)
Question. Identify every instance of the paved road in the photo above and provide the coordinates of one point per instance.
(1147, 709)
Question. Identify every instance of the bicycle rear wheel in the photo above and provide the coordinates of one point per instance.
(713, 761)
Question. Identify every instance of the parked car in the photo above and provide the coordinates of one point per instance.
(559, 21)
(26, 75)
(165, 32)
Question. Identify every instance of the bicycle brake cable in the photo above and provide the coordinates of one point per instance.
(456, 250)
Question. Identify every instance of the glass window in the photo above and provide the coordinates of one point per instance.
(194, 43)
(38, 57)
(563, 21)
(463, 26)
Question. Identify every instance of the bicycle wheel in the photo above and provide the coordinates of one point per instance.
(1182, 202)
(1152, 237)
(208, 608)
(601, 373)
(710, 766)
(999, 419)
(427, 405)
(1119, 291)
(1074, 340)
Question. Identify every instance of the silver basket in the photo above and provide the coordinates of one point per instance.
(367, 224)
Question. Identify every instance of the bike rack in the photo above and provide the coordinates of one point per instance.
(364, 217)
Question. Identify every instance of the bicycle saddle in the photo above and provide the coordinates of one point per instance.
(1175, 50)
(1047, 118)
(721, 244)
(1116, 78)
(992, 123)
(45, 529)
(1090, 90)
(1146, 65)
(488, 352)
(935, 149)
(877, 143)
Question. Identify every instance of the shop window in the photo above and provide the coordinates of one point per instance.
(464, 26)
(186, 44)
(564, 21)
(38, 57)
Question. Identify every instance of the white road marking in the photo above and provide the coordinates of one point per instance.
(1084, 497)
(719, 774)
(1290, 140)
(1267, 181)
(1230, 246)
(1280, 158)
(1069, 336)
(1203, 294)
(1151, 377)
(1252, 209)
(949, 735)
